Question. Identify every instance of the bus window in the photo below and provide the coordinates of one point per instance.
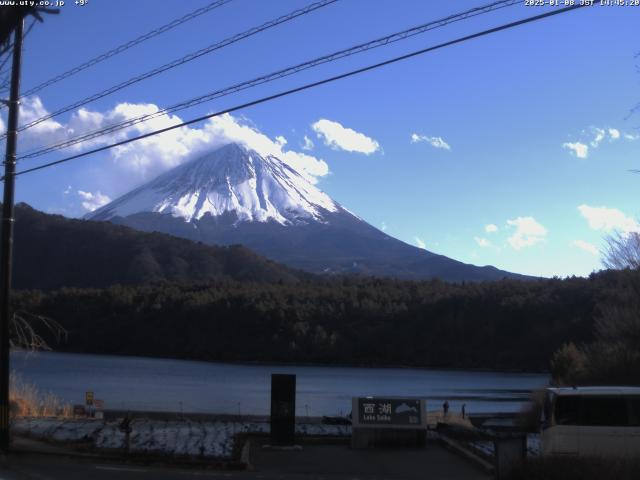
(567, 408)
(603, 411)
(634, 411)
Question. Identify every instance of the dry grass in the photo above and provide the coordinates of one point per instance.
(26, 400)
(528, 418)
(437, 416)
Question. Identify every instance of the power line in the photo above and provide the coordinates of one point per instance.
(379, 42)
(180, 61)
(30, 27)
(6, 59)
(310, 85)
(9, 48)
(126, 46)
(4, 84)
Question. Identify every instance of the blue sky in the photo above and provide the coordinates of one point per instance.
(512, 150)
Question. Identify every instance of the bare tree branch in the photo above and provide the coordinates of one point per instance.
(24, 331)
(622, 251)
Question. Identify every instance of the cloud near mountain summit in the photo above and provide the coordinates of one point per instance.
(146, 158)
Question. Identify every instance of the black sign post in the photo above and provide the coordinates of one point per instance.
(283, 409)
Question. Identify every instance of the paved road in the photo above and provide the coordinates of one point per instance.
(313, 462)
(341, 462)
(49, 467)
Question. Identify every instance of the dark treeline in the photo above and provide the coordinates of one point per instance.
(613, 355)
(498, 325)
(52, 251)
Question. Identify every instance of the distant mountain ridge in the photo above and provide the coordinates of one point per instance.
(234, 195)
(52, 251)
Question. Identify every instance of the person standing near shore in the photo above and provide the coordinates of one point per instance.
(464, 409)
(445, 408)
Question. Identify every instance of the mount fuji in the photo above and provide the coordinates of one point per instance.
(234, 195)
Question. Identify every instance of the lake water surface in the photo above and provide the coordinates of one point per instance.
(135, 383)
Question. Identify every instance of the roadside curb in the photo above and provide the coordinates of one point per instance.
(458, 448)
(30, 445)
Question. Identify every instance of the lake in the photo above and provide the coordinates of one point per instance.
(135, 383)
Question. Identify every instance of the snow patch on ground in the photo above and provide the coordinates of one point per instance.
(487, 447)
(214, 439)
(58, 430)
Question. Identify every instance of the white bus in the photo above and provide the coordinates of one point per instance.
(601, 421)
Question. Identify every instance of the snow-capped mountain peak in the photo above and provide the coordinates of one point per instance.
(234, 195)
(232, 179)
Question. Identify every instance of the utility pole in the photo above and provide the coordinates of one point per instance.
(6, 242)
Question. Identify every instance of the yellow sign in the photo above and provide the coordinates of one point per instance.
(88, 396)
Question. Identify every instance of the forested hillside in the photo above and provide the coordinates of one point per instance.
(508, 324)
(162, 296)
(52, 251)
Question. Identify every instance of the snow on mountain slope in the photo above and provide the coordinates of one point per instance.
(234, 195)
(234, 179)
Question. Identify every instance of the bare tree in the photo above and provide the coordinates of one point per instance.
(622, 251)
(25, 328)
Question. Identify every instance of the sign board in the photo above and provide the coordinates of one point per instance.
(389, 412)
(88, 397)
(99, 404)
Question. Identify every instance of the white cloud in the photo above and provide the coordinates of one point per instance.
(482, 242)
(67, 190)
(586, 246)
(436, 142)
(308, 144)
(52, 131)
(599, 135)
(593, 138)
(31, 108)
(383, 226)
(49, 131)
(527, 233)
(338, 137)
(491, 228)
(578, 149)
(93, 201)
(630, 136)
(144, 159)
(420, 243)
(226, 128)
(148, 157)
(608, 219)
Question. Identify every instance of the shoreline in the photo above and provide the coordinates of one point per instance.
(304, 364)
